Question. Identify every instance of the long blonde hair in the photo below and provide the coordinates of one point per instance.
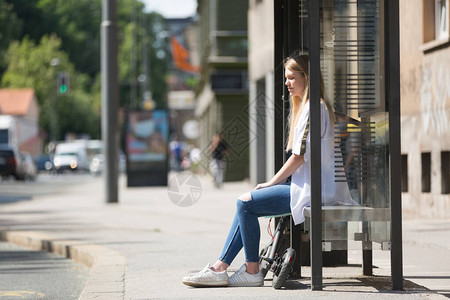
(300, 63)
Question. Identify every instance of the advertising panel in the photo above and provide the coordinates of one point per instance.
(147, 136)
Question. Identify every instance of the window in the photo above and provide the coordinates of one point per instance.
(435, 23)
(441, 28)
(445, 172)
(404, 173)
(4, 136)
(426, 172)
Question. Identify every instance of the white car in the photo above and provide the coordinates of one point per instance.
(70, 156)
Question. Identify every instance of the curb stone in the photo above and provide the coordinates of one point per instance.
(107, 267)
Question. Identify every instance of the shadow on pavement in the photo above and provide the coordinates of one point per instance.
(5, 199)
(381, 284)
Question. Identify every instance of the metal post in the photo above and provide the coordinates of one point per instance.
(293, 26)
(286, 48)
(53, 63)
(145, 60)
(278, 88)
(110, 99)
(316, 163)
(133, 82)
(367, 251)
(53, 111)
(294, 34)
(393, 100)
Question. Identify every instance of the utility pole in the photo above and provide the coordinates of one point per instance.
(110, 99)
(133, 82)
(148, 102)
(144, 57)
(53, 63)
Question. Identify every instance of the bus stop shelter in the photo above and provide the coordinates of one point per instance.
(354, 44)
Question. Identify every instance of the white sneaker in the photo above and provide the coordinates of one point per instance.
(207, 278)
(242, 278)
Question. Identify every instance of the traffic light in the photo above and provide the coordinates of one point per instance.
(63, 83)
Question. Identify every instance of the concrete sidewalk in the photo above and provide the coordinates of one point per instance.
(143, 246)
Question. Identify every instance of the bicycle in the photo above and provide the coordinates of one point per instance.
(270, 258)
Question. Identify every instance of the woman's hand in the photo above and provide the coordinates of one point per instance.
(289, 167)
(263, 185)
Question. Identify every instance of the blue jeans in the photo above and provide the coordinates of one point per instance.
(244, 232)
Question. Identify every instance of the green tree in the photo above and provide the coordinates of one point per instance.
(29, 65)
(152, 29)
(76, 23)
(70, 30)
(159, 57)
(10, 27)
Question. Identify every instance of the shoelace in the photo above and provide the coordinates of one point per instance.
(208, 277)
(242, 277)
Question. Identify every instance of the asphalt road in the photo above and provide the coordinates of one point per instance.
(26, 274)
(45, 184)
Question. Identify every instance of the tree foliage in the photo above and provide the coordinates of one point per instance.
(32, 33)
(10, 27)
(29, 65)
(76, 23)
(154, 34)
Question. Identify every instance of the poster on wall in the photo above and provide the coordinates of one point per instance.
(147, 136)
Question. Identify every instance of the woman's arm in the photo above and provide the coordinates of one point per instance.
(286, 170)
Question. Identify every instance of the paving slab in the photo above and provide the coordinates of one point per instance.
(141, 247)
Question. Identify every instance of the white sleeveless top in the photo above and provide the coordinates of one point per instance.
(333, 193)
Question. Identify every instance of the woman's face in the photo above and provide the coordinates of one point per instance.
(295, 82)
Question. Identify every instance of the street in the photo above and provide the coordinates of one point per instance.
(45, 184)
(202, 102)
(161, 242)
(27, 274)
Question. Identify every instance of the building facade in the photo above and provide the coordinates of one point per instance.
(425, 108)
(184, 70)
(425, 98)
(222, 94)
(261, 84)
(19, 120)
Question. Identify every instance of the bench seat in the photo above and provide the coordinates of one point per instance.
(346, 213)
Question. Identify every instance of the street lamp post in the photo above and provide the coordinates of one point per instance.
(53, 63)
(110, 99)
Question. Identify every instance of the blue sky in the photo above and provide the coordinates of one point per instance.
(172, 8)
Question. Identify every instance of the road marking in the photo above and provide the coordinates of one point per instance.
(20, 294)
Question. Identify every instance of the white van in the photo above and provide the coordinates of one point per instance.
(71, 156)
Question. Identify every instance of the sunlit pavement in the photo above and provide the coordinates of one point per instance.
(161, 242)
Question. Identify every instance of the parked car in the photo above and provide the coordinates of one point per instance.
(71, 156)
(29, 168)
(98, 164)
(10, 162)
(44, 163)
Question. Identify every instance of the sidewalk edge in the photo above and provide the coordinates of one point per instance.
(107, 267)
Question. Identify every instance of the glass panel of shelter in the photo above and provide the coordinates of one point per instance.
(352, 65)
